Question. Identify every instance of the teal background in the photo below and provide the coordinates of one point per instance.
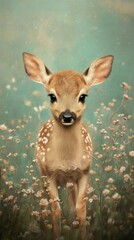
(65, 35)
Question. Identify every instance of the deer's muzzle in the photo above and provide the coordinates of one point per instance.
(67, 118)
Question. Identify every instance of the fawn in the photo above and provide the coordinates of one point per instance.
(64, 148)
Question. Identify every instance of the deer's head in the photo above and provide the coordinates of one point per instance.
(67, 89)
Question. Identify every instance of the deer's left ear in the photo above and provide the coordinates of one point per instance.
(99, 70)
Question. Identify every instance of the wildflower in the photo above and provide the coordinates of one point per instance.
(126, 178)
(5, 162)
(99, 122)
(11, 168)
(24, 181)
(11, 130)
(49, 226)
(103, 131)
(75, 223)
(96, 153)
(25, 195)
(110, 221)
(127, 97)
(3, 127)
(34, 160)
(45, 213)
(3, 171)
(43, 202)
(95, 197)
(10, 198)
(1, 196)
(110, 180)
(24, 155)
(17, 140)
(90, 200)
(108, 168)
(116, 196)
(122, 169)
(38, 194)
(105, 192)
(130, 215)
(126, 86)
(32, 144)
(129, 116)
(9, 184)
(111, 104)
(36, 214)
(28, 103)
(90, 190)
(13, 80)
(8, 87)
(131, 153)
(92, 172)
(122, 147)
(106, 137)
(115, 122)
(100, 156)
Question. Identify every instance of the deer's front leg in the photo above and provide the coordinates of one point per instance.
(81, 204)
(55, 207)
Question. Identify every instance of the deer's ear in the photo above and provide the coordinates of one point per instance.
(99, 70)
(36, 69)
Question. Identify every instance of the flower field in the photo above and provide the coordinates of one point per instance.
(24, 204)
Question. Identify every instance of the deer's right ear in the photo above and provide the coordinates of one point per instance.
(36, 69)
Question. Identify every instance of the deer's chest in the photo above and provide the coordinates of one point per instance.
(67, 156)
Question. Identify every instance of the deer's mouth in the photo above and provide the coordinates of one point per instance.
(67, 118)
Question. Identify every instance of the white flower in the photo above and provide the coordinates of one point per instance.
(105, 192)
(110, 221)
(126, 178)
(110, 180)
(103, 131)
(116, 196)
(126, 86)
(115, 122)
(108, 168)
(131, 153)
(122, 169)
(127, 97)
(90, 200)
(3, 127)
(90, 190)
(43, 202)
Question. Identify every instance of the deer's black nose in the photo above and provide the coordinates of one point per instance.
(67, 117)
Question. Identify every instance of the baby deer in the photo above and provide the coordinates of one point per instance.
(64, 147)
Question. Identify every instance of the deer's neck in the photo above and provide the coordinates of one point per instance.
(67, 140)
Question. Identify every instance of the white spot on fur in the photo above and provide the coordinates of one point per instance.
(45, 140)
(43, 159)
(49, 126)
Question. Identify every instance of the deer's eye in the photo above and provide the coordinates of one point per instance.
(52, 98)
(82, 98)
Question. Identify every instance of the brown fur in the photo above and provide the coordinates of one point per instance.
(64, 152)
